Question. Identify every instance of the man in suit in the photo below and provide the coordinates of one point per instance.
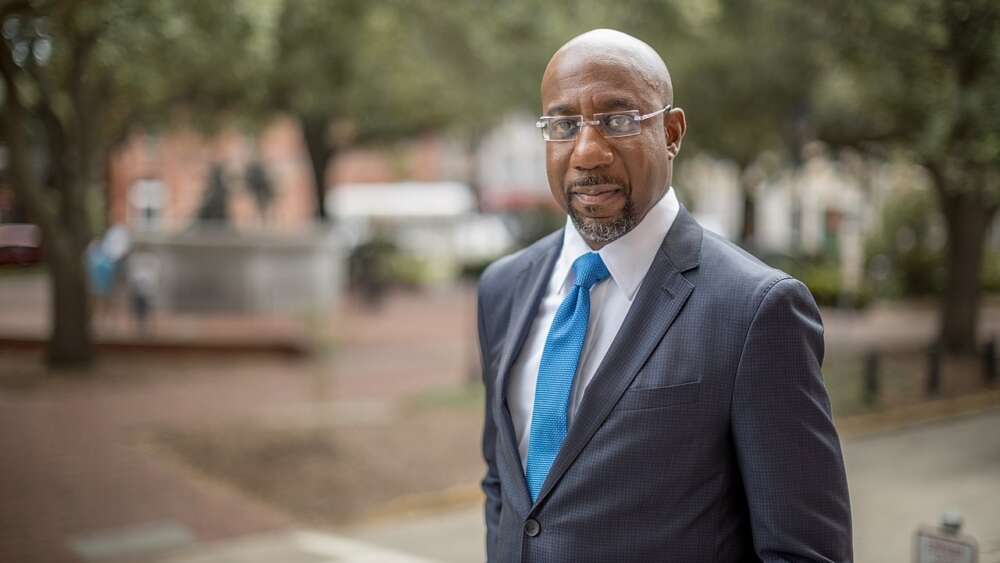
(653, 392)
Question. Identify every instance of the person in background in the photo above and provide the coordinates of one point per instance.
(143, 280)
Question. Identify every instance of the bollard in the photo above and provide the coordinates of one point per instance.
(934, 370)
(951, 522)
(870, 390)
(990, 361)
(945, 543)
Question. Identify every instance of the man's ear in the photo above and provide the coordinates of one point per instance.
(674, 127)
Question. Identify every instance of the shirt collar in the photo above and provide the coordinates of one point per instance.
(627, 258)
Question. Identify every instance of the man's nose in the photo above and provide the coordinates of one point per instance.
(591, 150)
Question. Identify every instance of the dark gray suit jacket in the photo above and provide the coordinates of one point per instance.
(705, 435)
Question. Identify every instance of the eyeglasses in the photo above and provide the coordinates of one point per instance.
(612, 124)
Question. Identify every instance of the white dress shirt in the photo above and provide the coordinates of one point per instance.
(627, 259)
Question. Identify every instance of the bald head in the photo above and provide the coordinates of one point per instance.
(614, 48)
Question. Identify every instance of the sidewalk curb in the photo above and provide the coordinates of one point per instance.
(424, 504)
(284, 347)
(290, 544)
(908, 416)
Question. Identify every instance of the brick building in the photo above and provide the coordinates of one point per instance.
(158, 181)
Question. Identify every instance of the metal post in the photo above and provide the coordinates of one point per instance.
(934, 370)
(990, 361)
(870, 389)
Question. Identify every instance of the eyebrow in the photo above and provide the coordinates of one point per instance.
(560, 109)
(619, 103)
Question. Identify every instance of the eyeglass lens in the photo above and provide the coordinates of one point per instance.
(609, 124)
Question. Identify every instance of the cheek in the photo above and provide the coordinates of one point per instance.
(556, 161)
(646, 164)
(557, 155)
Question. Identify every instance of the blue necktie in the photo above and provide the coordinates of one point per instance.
(560, 358)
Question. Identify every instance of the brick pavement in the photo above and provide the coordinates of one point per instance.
(75, 459)
(73, 465)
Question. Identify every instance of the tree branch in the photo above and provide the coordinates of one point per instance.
(27, 187)
(15, 7)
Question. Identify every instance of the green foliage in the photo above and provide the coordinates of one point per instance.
(87, 73)
(822, 275)
(755, 77)
(152, 56)
(369, 70)
(471, 271)
(920, 77)
(904, 257)
(991, 272)
(746, 80)
(77, 78)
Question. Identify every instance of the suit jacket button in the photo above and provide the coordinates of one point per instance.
(532, 528)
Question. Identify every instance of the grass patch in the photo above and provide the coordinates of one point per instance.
(844, 378)
(902, 380)
(26, 270)
(468, 396)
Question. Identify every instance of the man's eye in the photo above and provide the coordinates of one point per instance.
(620, 122)
(562, 126)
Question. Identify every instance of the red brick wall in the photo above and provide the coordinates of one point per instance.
(182, 158)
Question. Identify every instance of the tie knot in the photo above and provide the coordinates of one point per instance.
(589, 269)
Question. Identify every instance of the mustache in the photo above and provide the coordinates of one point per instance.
(596, 180)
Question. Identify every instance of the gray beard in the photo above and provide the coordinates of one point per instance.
(604, 231)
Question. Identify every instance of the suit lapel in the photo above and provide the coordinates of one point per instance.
(531, 285)
(661, 297)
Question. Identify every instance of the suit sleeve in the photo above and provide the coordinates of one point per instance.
(491, 481)
(788, 450)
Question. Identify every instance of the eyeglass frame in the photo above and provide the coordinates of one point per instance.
(543, 122)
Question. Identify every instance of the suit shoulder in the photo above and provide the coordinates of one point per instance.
(742, 275)
(503, 271)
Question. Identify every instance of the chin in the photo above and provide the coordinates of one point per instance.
(603, 230)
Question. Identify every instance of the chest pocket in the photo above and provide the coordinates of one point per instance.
(658, 397)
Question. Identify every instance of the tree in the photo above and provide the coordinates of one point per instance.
(921, 78)
(351, 72)
(311, 75)
(744, 77)
(77, 76)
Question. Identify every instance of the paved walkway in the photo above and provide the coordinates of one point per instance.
(901, 479)
(80, 482)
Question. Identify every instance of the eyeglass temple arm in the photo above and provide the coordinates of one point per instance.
(655, 113)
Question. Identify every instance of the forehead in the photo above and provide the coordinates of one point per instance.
(575, 83)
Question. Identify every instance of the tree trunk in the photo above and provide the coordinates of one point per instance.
(64, 235)
(315, 132)
(967, 220)
(475, 141)
(71, 342)
(748, 228)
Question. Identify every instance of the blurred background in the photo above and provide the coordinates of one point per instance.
(239, 242)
